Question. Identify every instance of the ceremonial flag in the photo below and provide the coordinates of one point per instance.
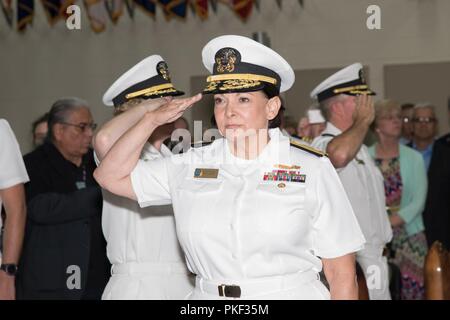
(174, 8)
(25, 13)
(130, 7)
(114, 9)
(243, 8)
(200, 8)
(97, 14)
(56, 9)
(148, 6)
(7, 11)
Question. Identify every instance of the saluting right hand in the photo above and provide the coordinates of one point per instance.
(365, 111)
(172, 110)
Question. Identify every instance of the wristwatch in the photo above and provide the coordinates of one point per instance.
(10, 268)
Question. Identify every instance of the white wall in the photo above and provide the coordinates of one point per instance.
(46, 63)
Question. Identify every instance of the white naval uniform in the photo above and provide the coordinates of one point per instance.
(363, 183)
(142, 246)
(238, 229)
(12, 168)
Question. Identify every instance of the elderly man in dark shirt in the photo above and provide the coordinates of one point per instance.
(64, 254)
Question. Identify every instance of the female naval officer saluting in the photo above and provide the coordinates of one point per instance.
(257, 215)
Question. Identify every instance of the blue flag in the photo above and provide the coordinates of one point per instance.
(148, 6)
(174, 8)
(25, 13)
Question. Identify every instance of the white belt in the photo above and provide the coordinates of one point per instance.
(154, 268)
(246, 288)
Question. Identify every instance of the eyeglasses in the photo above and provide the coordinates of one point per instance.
(406, 120)
(424, 120)
(82, 126)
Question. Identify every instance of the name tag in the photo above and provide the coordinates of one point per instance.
(206, 173)
(80, 185)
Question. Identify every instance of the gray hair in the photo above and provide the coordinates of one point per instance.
(60, 111)
(325, 105)
(425, 105)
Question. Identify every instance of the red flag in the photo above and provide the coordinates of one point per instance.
(201, 8)
(97, 14)
(243, 8)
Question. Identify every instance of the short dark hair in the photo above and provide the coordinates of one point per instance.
(407, 106)
(271, 92)
(43, 118)
(60, 111)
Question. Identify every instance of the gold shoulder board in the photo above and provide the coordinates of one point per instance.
(309, 149)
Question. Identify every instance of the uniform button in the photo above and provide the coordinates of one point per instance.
(232, 226)
(233, 256)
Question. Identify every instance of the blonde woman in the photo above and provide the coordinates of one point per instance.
(405, 183)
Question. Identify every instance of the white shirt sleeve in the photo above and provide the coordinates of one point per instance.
(12, 168)
(150, 182)
(321, 143)
(336, 231)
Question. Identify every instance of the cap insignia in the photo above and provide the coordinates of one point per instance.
(226, 58)
(163, 70)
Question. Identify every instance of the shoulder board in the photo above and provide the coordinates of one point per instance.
(307, 139)
(328, 135)
(309, 149)
(200, 144)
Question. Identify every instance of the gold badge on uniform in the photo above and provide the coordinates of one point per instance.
(206, 173)
(286, 167)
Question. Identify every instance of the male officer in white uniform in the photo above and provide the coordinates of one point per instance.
(345, 101)
(141, 243)
(253, 226)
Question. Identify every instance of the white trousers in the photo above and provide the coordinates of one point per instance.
(149, 281)
(375, 269)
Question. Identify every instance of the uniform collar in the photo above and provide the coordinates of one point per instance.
(331, 129)
(275, 152)
(149, 151)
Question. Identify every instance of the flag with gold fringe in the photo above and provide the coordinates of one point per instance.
(200, 8)
(114, 9)
(97, 14)
(7, 11)
(177, 8)
(148, 6)
(25, 13)
(56, 9)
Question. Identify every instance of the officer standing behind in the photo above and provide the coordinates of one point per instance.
(254, 211)
(345, 101)
(142, 244)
